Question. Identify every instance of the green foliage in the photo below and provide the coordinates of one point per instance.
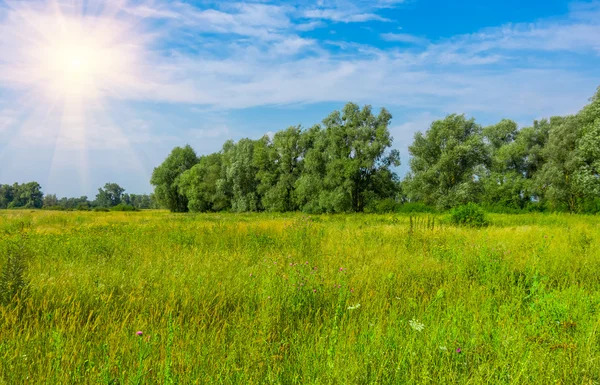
(165, 178)
(109, 196)
(471, 215)
(343, 166)
(26, 195)
(123, 207)
(447, 162)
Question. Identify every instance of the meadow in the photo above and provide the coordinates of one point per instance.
(159, 298)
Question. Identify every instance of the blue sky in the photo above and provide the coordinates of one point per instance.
(99, 91)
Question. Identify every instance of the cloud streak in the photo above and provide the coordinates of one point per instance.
(241, 55)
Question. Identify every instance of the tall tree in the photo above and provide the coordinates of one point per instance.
(280, 166)
(165, 178)
(27, 195)
(308, 187)
(504, 184)
(241, 175)
(7, 194)
(200, 185)
(447, 163)
(110, 196)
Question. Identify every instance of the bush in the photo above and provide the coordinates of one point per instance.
(469, 215)
(101, 209)
(83, 207)
(123, 207)
(591, 206)
(54, 208)
(388, 205)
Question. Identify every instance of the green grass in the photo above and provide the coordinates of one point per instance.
(261, 299)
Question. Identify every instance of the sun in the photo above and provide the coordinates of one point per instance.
(72, 63)
(63, 53)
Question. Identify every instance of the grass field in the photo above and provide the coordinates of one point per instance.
(292, 299)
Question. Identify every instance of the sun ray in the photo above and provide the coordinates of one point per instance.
(71, 61)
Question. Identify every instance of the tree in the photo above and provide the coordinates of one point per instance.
(27, 195)
(200, 185)
(240, 179)
(110, 196)
(50, 200)
(570, 175)
(504, 183)
(7, 193)
(280, 166)
(347, 164)
(309, 185)
(165, 178)
(447, 162)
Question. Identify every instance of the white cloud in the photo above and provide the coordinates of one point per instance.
(342, 15)
(404, 38)
(268, 62)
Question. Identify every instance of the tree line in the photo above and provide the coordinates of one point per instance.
(112, 196)
(346, 164)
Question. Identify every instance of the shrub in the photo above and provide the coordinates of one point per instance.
(388, 205)
(591, 206)
(469, 215)
(83, 207)
(123, 207)
(101, 209)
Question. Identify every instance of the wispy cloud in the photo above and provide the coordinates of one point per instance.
(249, 54)
(404, 38)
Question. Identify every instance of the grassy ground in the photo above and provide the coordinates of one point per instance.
(256, 299)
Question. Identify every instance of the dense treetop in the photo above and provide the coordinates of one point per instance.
(346, 164)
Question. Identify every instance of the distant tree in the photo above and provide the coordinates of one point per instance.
(504, 183)
(309, 186)
(200, 185)
(27, 195)
(447, 162)
(347, 164)
(110, 195)
(166, 176)
(280, 166)
(241, 176)
(50, 200)
(7, 194)
(570, 174)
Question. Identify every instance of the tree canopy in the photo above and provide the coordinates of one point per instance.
(347, 164)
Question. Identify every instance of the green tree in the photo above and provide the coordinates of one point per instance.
(200, 185)
(280, 165)
(50, 200)
(308, 187)
(348, 164)
(110, 196)
(27, 195)
(165, 178)
(7, 194)
(447, 163)
(504, 183)
(240, 180)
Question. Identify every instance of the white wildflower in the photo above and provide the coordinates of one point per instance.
(354, 307)
(416, 325)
